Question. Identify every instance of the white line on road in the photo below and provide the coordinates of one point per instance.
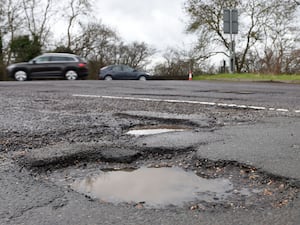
(187, 101)
(282, 110)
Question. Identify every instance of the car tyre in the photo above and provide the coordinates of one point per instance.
(71, 75)
(142, 78)
(20, 75)
(108, 78)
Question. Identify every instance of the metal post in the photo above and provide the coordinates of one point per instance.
(231, 27)
(233, 55)
(231, 46)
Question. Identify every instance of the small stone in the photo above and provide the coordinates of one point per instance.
(268, 192)
(236, 192)
(194, 207)
(140, 205)
(202, 207)
(253, 177)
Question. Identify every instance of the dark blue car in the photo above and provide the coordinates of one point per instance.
(122, 72)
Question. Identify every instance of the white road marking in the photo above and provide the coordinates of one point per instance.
(282, 110)
(188, 102)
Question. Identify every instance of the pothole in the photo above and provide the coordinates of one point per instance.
(156, 187)
(160, 180)
(152, 130)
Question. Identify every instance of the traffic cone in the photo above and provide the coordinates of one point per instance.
(190, 75)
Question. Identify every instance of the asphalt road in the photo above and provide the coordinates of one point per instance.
(49, 122)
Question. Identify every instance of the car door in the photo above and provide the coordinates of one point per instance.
(40, 66)
(118, 73)
(129, 73)
(58, 63)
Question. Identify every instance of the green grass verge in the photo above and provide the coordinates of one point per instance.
(251, 77)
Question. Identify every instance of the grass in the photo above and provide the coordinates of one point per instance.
(251, 77)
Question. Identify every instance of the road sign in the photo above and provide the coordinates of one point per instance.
(231, 24)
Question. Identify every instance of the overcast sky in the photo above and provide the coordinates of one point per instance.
(159, 23)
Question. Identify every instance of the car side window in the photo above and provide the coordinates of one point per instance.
(81, 59)
(127, 69)
(42, 59)
(62, 59)
(117, 68)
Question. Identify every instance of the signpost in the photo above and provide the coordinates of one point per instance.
(230, 18)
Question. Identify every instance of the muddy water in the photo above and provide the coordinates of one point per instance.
(156, 187)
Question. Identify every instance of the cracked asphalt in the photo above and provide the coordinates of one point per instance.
(55, 132)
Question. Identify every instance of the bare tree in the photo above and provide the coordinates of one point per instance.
(134, 54)
(96, 43)
(37, 16)
(279, 39)
(1, 40)
(179, 62)
(292, 65)
(258, 16)
(10, 23)
(102, 46)
(74, 9)
(175, 63)
(14, 23)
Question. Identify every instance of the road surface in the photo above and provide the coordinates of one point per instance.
(56, 131)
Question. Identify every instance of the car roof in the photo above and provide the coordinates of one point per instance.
(77, 57)
(114, 65)
(60, 54)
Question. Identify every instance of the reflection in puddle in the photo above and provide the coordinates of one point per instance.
(248, 192)
(157, 187)
(153, 131)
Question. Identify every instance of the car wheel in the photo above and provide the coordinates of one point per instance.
(20, 75)
(142, 78)
(108, 78)
(71, 75)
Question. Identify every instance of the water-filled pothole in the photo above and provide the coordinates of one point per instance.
(156, 187)
(151, 130)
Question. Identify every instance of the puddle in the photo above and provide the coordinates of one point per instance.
(247, 192)
(156, 187)
(152, 131)
(157, 130)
